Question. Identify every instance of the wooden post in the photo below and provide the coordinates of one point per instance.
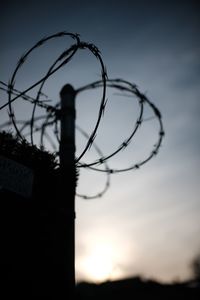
(67, 186)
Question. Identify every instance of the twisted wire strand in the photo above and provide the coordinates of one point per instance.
(124, 85)
(67, 56)
(99, 152)
(19, 65)
(42, 104)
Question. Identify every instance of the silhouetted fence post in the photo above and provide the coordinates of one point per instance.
(68, 184)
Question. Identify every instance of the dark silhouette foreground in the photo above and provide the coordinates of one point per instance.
(136, 288)
(34, 241)
(34, 230)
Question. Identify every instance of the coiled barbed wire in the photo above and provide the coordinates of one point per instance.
(124, 85)
(62, 60)
(52, 114)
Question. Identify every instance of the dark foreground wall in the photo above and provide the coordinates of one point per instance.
(34, 233)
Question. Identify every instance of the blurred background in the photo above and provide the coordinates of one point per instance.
(148, 222)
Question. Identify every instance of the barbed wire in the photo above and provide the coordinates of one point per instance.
(51, 117)
(124, 85)
(26, 124)
(106, 168)
(62, 60)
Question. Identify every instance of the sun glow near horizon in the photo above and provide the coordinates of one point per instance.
(101, 262)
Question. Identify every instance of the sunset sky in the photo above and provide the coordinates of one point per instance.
(148, 222)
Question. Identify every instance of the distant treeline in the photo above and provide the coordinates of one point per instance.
(137, 288)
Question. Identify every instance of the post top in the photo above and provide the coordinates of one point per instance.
(67, 89)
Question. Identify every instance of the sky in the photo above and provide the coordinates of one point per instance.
(147, 223)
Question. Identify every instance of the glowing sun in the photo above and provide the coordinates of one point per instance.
(99, 265)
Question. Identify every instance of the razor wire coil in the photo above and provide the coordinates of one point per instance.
(52, 112)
